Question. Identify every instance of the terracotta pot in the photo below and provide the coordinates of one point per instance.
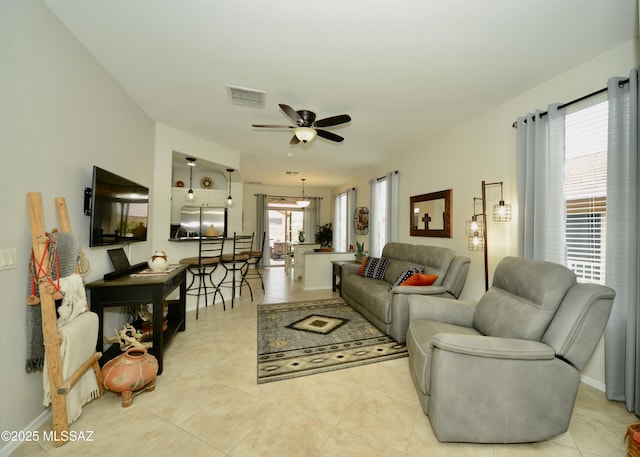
(134, 370)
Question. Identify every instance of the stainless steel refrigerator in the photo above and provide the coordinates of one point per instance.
(195, 220)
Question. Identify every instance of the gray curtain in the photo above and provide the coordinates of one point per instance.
(541, 202)
(311, 218)
(351, 214)
(262, 225)
(622, 345)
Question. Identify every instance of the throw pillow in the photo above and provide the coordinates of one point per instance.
(406, 274)
(362, 266)
(375, 267)
(420, 279)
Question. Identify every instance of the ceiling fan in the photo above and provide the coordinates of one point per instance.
(306, 127)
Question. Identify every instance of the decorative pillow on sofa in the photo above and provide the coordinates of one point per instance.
(405, 275)
(374, 267)
(362, 265)
(420, 279)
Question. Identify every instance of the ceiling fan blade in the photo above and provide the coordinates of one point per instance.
(293, 114)
(294, 140)
(273, 126)
(329, 135)
(333, 120)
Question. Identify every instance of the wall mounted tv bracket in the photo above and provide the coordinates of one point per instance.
(87, 201)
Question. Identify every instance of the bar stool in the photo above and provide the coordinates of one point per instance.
(202, 268)
(255, 257)
(236, 262)
(288, 262)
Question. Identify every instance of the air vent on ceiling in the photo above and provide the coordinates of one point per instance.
(246, 97)
(291, 173)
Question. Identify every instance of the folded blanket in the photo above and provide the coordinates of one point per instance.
(74, 301)
(78, 344)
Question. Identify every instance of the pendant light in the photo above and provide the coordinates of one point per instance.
(190, 197)
(304, 202)
(229, 199)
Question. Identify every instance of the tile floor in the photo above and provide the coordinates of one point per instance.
(207, 403)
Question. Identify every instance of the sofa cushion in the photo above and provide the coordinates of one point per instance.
(406, 274)
(369, 293)
(523, 299)
(375, 267)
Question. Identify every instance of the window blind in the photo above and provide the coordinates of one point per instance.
(586, 191)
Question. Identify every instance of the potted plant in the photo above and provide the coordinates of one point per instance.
(324, 236)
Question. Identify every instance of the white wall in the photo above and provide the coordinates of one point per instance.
(484, 148)
(61, 114)
(168, 140)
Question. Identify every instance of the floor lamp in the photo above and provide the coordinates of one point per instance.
(477, 227)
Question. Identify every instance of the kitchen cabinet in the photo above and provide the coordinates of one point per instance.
(204, 197)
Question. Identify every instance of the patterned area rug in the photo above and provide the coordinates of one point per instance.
(299, 339)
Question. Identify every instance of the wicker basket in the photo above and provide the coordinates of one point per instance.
(633, 440)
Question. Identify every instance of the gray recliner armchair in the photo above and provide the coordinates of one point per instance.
(507, 369)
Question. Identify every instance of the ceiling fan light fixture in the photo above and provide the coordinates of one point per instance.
(305, 134)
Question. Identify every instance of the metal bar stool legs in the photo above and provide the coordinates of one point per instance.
(235, 263)
(202, 267)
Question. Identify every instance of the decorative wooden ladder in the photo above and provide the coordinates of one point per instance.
(52, 337)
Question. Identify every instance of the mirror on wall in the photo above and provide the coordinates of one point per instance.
(431, 214)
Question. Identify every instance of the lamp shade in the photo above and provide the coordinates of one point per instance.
(501, 212)
(305, 134)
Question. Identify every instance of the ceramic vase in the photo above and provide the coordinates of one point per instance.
(131, 371)
(301, 237)
(158, 261)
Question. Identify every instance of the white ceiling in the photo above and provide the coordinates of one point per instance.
(401, 69)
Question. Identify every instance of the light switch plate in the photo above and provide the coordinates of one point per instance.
(8, 258)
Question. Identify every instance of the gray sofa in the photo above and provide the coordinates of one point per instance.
(389, 310)
(507, 369)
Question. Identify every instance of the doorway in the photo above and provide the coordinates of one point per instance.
(285, 223)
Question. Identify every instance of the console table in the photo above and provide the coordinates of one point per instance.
(137, 290)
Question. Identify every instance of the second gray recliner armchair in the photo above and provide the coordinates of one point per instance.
(507, 369)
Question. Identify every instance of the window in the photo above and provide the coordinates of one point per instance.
(340, 224)
(585, 191)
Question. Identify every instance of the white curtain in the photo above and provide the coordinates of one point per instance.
(393, 202)
(384, 212)
(541, 202)
(262, 225)
(622, 339)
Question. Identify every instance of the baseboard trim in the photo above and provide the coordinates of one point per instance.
(593, 383)
(34, 425)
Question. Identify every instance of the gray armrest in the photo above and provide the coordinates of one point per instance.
(493, 347)
(350, 268)
(456, 312)
(419, 290)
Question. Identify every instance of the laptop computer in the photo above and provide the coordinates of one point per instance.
(119, 259)
(121, 264)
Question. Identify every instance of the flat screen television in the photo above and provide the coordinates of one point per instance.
(119, 209)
